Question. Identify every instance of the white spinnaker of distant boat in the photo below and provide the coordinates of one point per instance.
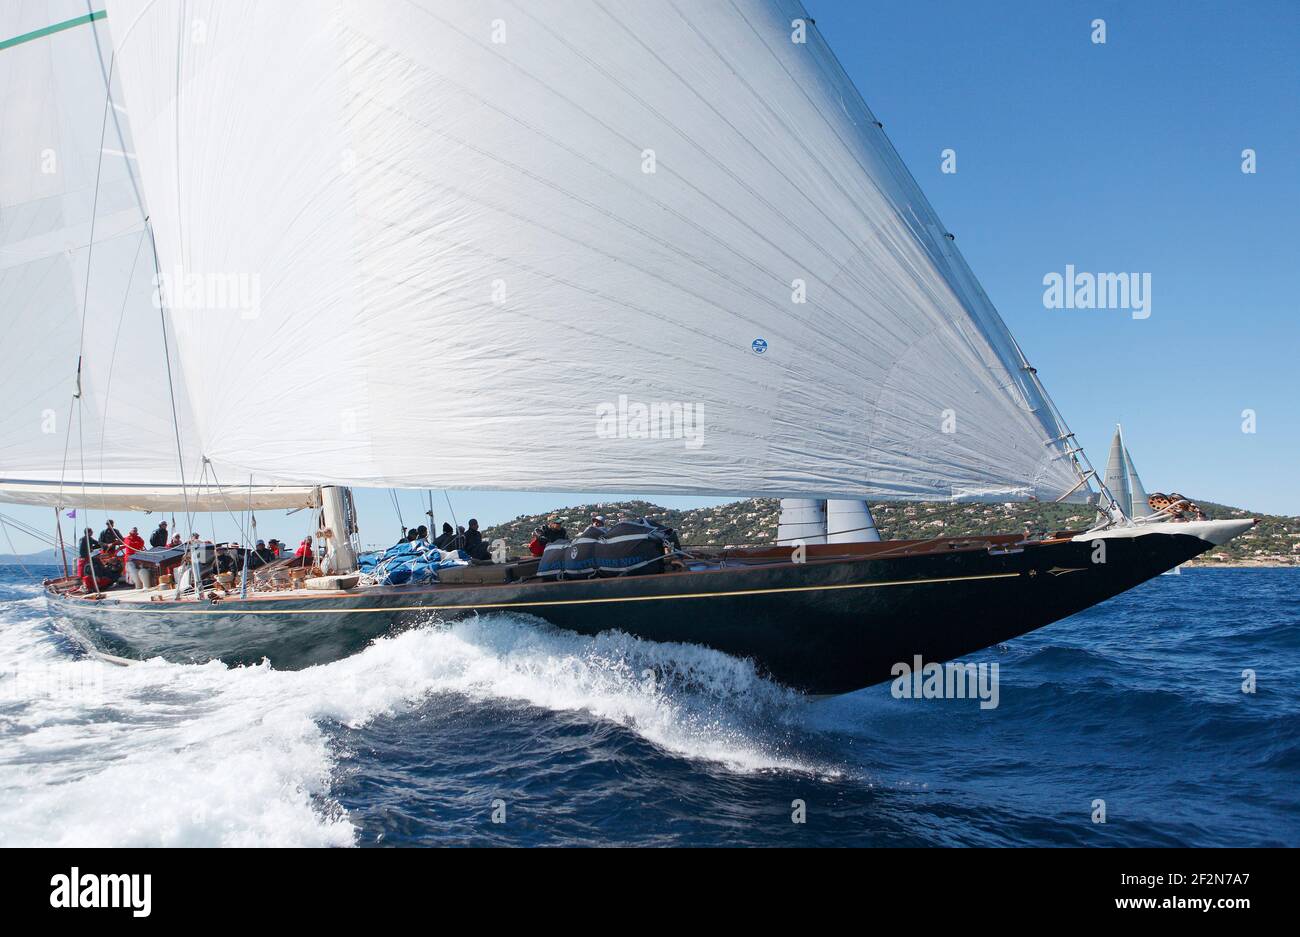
(77, 284)
(1122, 478)
(1117, 474)
(1137, 494)
(481, 227)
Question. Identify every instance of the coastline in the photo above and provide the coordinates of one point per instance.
(1238, 564)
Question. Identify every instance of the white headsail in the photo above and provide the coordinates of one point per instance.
(1117, 479)
(77, 283)
(1122, 478)
(1140, 507)
(639, 245)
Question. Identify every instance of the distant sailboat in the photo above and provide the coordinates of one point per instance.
(1123, 482)
(428, 244)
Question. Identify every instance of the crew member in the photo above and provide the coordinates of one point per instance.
(554, 531)
(101, 571)
(304, 549)
(537, 545)
(88, 545)
(474, 543)
(261, 556)
(227, 561)
(133, 543)
(446, 538)
(110, 534)
(85, 549)
(159, 537)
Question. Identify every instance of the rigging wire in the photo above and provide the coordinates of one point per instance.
(112, 360)
(14, 550)
(24, 528)
(452, 511)
(85, 299)
(397, 506)
(171, 388)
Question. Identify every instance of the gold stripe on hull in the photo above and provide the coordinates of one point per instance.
(189, 609)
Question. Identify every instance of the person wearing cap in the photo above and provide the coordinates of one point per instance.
(260, 556)
(227, 560)
(553, 531)
(159, 537)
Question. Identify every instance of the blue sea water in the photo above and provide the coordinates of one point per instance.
(425, 736)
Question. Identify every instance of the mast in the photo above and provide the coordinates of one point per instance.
(63, 554)
(341, 557)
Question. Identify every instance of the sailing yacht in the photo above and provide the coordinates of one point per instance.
(253, 254)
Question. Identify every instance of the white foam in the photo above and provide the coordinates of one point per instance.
(93, 754)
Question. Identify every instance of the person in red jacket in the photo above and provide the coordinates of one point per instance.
(537, 546)
(304, 549)
(132, 543)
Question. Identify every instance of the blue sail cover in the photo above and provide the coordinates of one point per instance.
(408, 563)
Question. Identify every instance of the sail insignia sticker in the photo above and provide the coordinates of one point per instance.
(759, 345)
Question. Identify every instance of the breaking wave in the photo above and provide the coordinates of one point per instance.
(97, 754)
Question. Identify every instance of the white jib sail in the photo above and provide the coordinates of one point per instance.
(77, 284)
(644, 246)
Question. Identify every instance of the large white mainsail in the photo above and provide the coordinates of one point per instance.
(490, 239)
(77, 285)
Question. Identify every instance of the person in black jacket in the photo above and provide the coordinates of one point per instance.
(446, 538)
(160, 536)
(88, 545)
(260, 556)
(110, 534)
(475, 546)
(553, 531)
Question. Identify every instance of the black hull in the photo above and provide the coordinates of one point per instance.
(824, 627)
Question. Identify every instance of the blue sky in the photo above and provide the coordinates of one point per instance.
(1117, 157)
